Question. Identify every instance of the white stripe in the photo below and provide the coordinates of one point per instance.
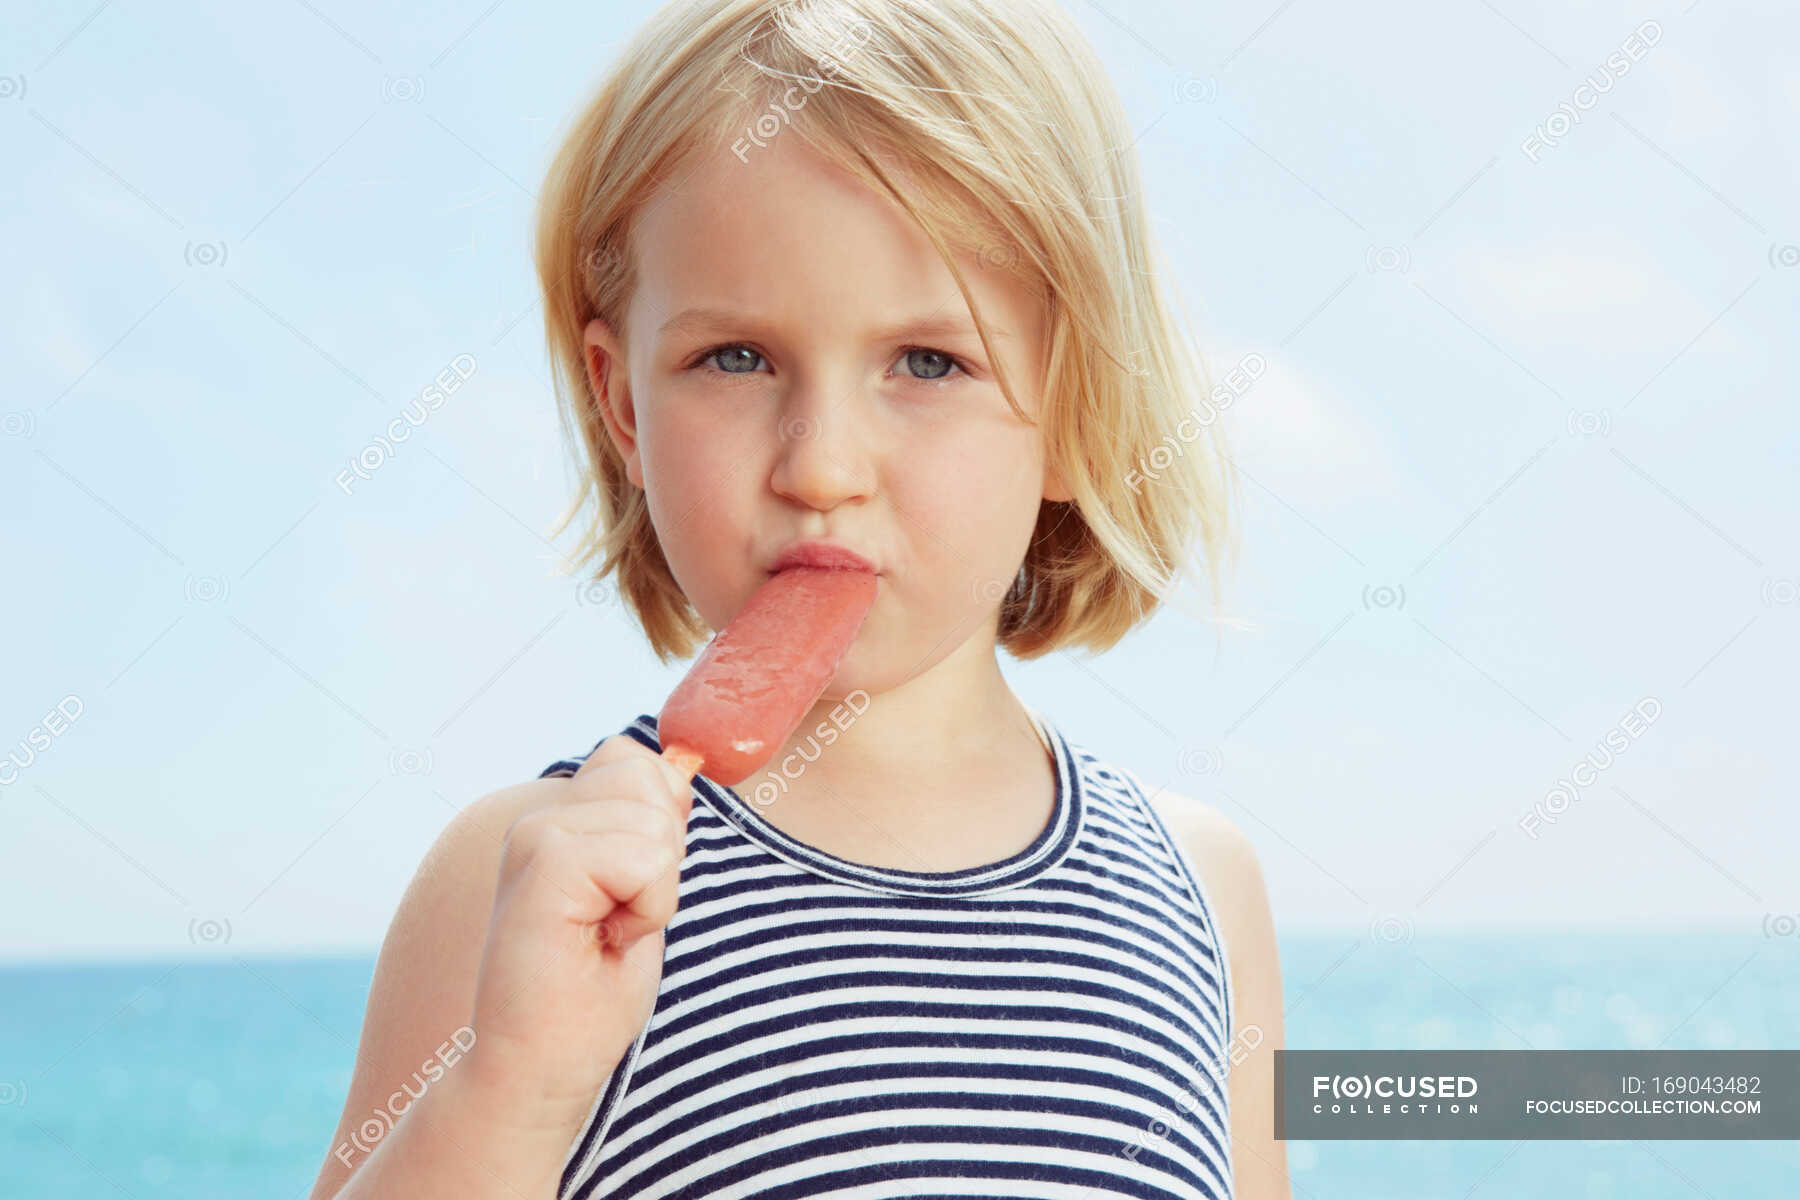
(1117, 857)
(1200, 1103)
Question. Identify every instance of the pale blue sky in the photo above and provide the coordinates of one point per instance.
(1525, 455)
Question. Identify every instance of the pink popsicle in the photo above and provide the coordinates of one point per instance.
(747, 692)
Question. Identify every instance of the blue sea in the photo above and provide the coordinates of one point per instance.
(223, 1078)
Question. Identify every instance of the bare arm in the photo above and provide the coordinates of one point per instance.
(463, 1135)
(459, 1138)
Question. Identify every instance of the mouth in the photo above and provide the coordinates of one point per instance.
(824, 555)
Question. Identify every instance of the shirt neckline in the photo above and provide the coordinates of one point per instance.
(1046, 850)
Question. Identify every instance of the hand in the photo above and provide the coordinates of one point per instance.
(574, 954)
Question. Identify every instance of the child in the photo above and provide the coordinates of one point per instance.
(875, 276)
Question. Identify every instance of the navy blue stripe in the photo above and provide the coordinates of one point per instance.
(732, 981)
(1085, 1063)
(710, 913)
(1104, 895)
(1125, 1182)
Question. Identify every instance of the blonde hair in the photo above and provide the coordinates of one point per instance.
(991, 123)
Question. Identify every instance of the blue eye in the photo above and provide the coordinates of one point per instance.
(720, 350)
(918, 358)
(915, 354)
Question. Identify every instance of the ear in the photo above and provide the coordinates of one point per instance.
(1054, 488)
(602, 355)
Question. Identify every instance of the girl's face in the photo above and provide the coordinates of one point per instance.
(798, 364)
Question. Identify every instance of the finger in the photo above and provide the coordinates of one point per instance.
(635, 886)
(613, 749)
(646, 817)
(623, 764)
(649, 909)
(586, 877)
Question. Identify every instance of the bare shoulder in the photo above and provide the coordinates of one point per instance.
(452, 891)
(478, 831)
(423, 987)
(1227, 863)
(1229, 868)
(1221, 851)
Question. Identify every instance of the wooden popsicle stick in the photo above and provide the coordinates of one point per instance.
(687, 761)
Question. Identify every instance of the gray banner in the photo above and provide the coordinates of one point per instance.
(1377, 1095)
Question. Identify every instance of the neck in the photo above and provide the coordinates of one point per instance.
(897, 747)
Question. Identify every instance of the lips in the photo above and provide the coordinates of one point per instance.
(827, 555)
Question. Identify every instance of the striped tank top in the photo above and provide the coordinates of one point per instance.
(1054, 1024)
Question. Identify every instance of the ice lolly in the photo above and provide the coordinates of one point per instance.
(747, 692)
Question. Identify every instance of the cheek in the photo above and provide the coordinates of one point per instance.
(684, 454)
(695, 475)
(977, 491)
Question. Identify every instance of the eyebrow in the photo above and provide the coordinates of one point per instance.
(696, 320)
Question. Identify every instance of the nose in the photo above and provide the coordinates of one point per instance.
(822, 459)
